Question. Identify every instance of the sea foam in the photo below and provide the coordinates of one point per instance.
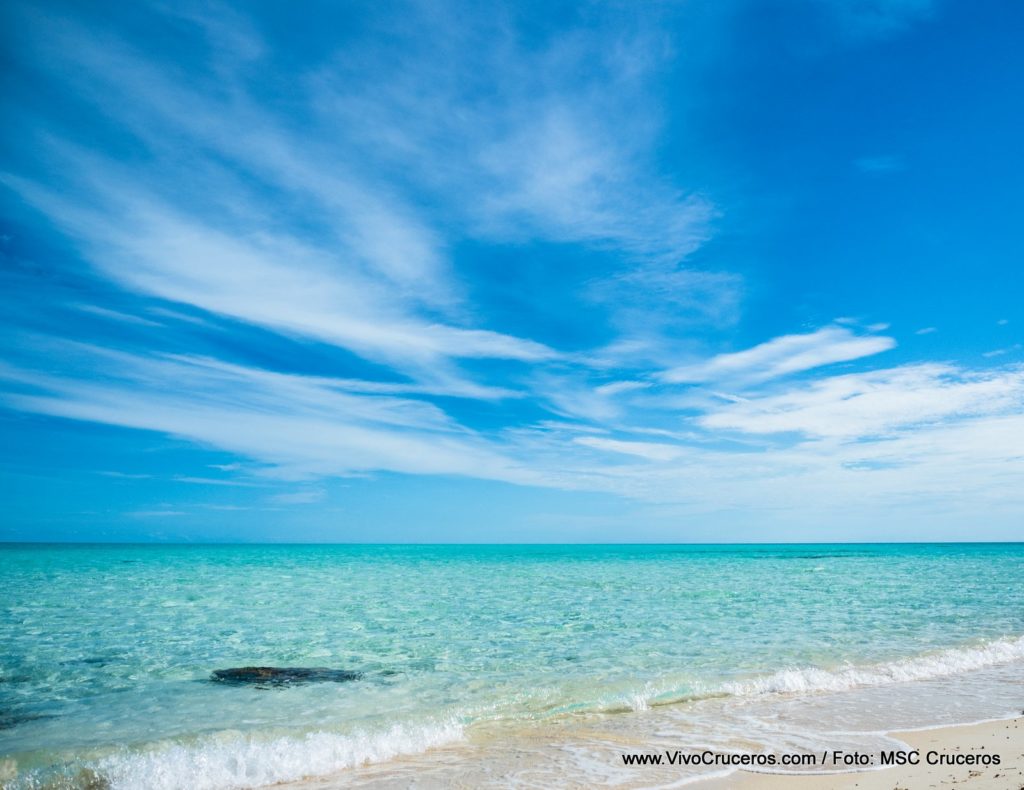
(234, 760)
(923, 667)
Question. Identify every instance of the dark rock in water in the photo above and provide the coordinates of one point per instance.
(97, 661)
(282, 676)
(10, 719)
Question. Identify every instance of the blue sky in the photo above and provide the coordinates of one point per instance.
(554, 272)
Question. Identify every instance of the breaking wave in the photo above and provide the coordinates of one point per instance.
(234, 760)
(929, 666)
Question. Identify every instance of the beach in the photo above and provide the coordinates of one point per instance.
(484, 666)
(523, 766)
(1004, 737)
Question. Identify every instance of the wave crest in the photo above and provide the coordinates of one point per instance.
(234, 760)
(953, 661)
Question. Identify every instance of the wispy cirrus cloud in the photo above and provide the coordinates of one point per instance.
(940, 440)
(552, 139)
(333, 221)
(943, 434)
(336, 273)
(653, 451)
(782, 356)
(875, 403)
(652, 300)
(273, 280)
(296, 426)
(307, 496)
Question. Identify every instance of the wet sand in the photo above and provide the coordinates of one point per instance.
(526, 765)
(1003, 738)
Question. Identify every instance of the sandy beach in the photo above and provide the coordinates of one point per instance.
(524, 765)
(1002, 738)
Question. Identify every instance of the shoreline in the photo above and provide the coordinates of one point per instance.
(1002, 737)
(445, 766)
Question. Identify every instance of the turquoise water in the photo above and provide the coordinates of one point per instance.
(106, 651)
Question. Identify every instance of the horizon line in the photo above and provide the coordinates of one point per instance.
(510, 544)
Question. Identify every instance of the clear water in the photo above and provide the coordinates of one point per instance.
(106, 651)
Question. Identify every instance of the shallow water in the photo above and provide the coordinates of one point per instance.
(108, 650)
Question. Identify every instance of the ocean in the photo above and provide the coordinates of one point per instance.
(468, 659)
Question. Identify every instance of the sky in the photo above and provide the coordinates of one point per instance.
(743, 270)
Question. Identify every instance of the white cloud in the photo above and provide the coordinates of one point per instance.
(781, 356)
(917, 438)
(998, 352)
(304, 497)
(569, 395)
(297, 426)
(317, 229)
(115, 315)
(653, 298)
(874, 403)
(270, 280)
(219, 121)
(653, 451)
(552, 141)
(616, 387)
(211, 481)
(572, 187)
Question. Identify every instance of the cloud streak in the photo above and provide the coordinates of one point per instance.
(782, 356)
(876, 403)
(296, 426)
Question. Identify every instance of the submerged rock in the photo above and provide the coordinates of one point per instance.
(9, 719)
(280, 676)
